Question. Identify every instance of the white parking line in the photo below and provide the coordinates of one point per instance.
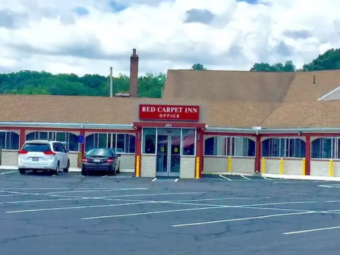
(154, 179)
(6, 195)
(176, 180)
(237, 206)
(149, 213)
(75, 207)
(241, 219)
(226, 198)
(137, 195)
(224, 177)
(310, 230)
(94, 190)
(37, 201)
(9, 172)
(245, 177)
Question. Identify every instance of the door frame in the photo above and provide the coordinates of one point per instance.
(169, 133)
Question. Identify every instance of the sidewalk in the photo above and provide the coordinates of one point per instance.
(288, 177)
(72, 169)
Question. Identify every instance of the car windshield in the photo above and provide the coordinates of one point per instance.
(99, 153)
(36, 147)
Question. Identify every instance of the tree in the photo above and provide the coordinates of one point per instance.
(198, 66)
(330, 60)
(43, 83)
(278, 67)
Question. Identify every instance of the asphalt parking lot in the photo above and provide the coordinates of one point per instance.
(71, 214)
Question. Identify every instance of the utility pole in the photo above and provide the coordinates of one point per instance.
(111, 81)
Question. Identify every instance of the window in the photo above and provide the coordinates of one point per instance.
(121, 143)
(149, 141)
(9, 140)
(326, 148)
(36, 147)
(68, 140)
(188, 142)
(229, 146)
(284, 147)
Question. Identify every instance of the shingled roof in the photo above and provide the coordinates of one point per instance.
(105, 110)
(250, 86)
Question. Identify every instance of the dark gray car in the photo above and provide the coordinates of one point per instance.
(101, 160)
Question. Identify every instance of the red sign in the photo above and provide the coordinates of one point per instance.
(169, 112)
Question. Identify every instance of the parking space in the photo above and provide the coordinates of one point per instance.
(74, 214)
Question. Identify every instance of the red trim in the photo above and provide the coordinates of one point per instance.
(169, 124)
(258, 154)
(110, 131)
(308, 155)
(227, 134)
(22, 137)
(281, 135)
(199, 151)
(138, 150)
(33, 129)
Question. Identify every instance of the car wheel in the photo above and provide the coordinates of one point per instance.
(56, 172)
(83, 172)
(67, 167)
(112, 171)
(22, 171)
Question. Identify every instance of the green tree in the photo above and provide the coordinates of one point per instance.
(330, 60)
(198, 66)
(43, 83)
(278, 67)
(151, 85)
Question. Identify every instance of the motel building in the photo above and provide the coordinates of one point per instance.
(206, 122)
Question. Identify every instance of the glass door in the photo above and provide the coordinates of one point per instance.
(175, 156)
(168, 152)
(162, 155)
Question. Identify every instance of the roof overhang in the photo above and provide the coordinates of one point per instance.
(260, 130)
(169, 125)
(66, 125)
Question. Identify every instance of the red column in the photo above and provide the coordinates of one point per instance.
(22, 137)
(308, 154)
(82, 149)
(258, 154)
(82, 146)
(199, 151)
(138, 152)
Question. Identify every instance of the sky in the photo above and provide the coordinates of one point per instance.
(89, 36)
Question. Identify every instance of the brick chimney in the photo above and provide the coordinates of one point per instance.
(134, 74)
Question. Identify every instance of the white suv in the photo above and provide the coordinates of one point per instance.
(43, 155)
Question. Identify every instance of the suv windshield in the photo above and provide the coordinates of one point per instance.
(99, 153)
(36, 147)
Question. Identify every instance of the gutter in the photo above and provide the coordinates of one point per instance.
(65, 125)
(260, 130)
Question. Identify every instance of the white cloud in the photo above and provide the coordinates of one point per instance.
(50, 36)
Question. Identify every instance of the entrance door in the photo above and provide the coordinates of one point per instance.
(168, 152)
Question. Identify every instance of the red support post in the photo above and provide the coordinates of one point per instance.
(22, 137)
(308, 155)
(258, 154)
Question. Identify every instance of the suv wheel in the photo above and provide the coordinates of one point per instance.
(67, 167)
(56, 172)
(22, 171)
